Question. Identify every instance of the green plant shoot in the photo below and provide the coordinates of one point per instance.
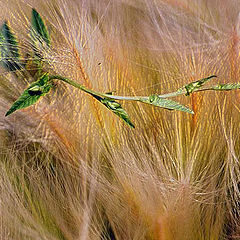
(32, 94)
(41, 40)
(194, 86)
(116, 108)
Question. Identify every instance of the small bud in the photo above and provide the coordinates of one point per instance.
(113, 105)
(35, 88)
(152, 98)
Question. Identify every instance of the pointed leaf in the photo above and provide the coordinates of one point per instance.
(9, 49)
(116, 108)
(165, 103)
(39, 33)
(32, 94)
(39, 28)
(193, 86)
(226, 86)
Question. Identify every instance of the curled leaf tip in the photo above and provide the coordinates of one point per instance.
(194, 86)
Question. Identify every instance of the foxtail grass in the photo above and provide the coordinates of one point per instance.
(71, 170)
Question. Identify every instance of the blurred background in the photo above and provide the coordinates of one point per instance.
(72, 170)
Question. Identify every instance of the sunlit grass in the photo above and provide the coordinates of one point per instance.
(71, 170)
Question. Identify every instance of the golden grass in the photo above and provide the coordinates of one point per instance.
(70, 169)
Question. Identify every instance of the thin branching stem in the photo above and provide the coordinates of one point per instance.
(105, 95)
(130, 98)
(89, 91)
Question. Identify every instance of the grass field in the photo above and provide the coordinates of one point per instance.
(72, 170)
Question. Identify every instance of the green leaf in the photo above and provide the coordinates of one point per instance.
(165, 103)
(32, 94)
(116, 108)
(193, 86)
(39, 34)
(226, 86)
(9, 49)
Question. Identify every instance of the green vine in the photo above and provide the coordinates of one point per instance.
(40, 39)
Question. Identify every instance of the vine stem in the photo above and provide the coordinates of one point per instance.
(91, 92)
(109, 96)
(181, 91)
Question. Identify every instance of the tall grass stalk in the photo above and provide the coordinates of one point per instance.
(71, 170)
